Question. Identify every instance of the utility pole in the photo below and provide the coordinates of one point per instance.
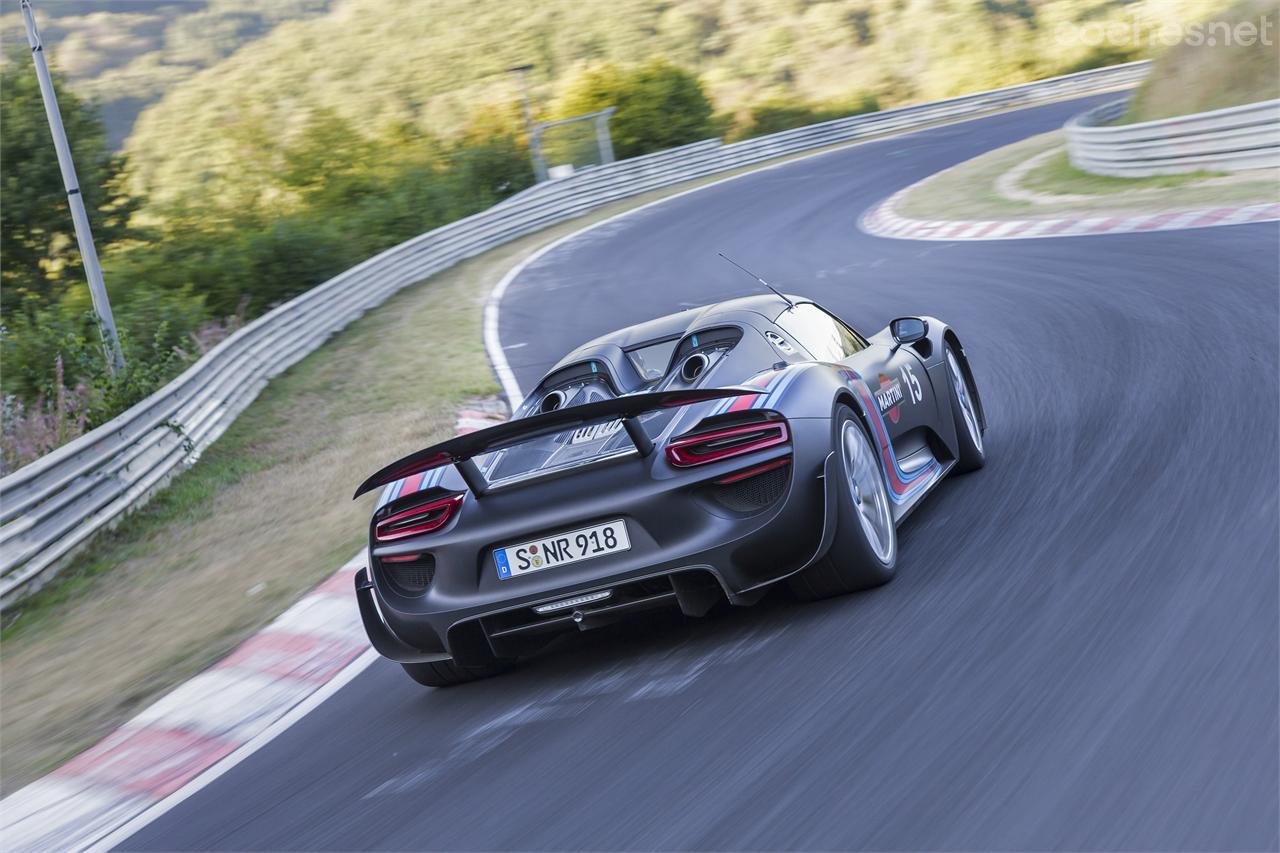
(79, 217)
(532, 129)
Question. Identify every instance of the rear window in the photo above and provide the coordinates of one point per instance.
(651, 361)
(825, 337)
(570, 447)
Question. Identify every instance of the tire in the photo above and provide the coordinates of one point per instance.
(446, 673)
(865, 548)
(971, 454)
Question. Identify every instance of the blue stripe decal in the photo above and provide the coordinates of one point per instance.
(775, 397)
(917, 480)
(724, 405)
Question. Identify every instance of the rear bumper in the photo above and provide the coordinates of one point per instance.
(687, 552)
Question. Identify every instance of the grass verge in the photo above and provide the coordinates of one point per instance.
(1227, 60)
(1053, 188)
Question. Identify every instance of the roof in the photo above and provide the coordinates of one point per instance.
(678, 324)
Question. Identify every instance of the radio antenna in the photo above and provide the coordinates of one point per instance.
(790, 304)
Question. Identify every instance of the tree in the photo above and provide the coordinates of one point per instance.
(658, 105)
(39, 257)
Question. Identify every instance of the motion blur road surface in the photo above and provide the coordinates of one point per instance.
(1080, 648)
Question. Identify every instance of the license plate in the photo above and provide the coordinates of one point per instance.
(562, 549)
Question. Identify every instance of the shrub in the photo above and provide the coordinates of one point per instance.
(343, 201)
(38, 251)
(658, 105)
(29, 432)
(46, 350)
(777, 115)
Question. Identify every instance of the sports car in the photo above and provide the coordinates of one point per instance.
(694, 459)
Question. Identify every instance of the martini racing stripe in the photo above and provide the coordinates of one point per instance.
(777, 389)
(763, 381)
(409, 485)
(903, 486)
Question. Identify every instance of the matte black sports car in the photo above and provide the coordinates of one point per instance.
(703, 456)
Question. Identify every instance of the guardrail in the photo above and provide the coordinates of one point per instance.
(53, 506)
(1226, 140)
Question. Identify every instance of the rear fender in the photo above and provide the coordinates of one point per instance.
(818, 389)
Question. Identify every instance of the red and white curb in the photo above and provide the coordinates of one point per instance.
(883, 221)
(219, 716)
(194, 727)
(480, 413)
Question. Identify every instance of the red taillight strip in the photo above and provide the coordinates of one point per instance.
(751, 472)
(771, 434)
(434, 515)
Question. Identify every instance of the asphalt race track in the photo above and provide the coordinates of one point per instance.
(1080, 648)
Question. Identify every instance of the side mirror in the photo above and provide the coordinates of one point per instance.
(908, 330)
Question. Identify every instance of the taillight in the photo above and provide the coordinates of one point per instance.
(419, 519)
(707, 447)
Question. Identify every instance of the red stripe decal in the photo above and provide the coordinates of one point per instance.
(412, 485)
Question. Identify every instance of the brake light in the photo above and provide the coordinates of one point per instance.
(419, 519)
(713, 446)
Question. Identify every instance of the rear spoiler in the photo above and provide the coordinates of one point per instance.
(459, 450)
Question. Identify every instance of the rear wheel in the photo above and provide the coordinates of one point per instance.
(865, 548)
(446, 673)
(971, 455)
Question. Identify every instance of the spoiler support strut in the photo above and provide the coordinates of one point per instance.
(639, 437)
(472, 476)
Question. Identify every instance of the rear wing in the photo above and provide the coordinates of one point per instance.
(460, 450)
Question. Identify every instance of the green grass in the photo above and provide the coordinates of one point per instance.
(1056, 175)
(969, 191)
(182, 502)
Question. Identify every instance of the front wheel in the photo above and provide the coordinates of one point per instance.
(865, 548)
(446, 673)
(971, 454)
